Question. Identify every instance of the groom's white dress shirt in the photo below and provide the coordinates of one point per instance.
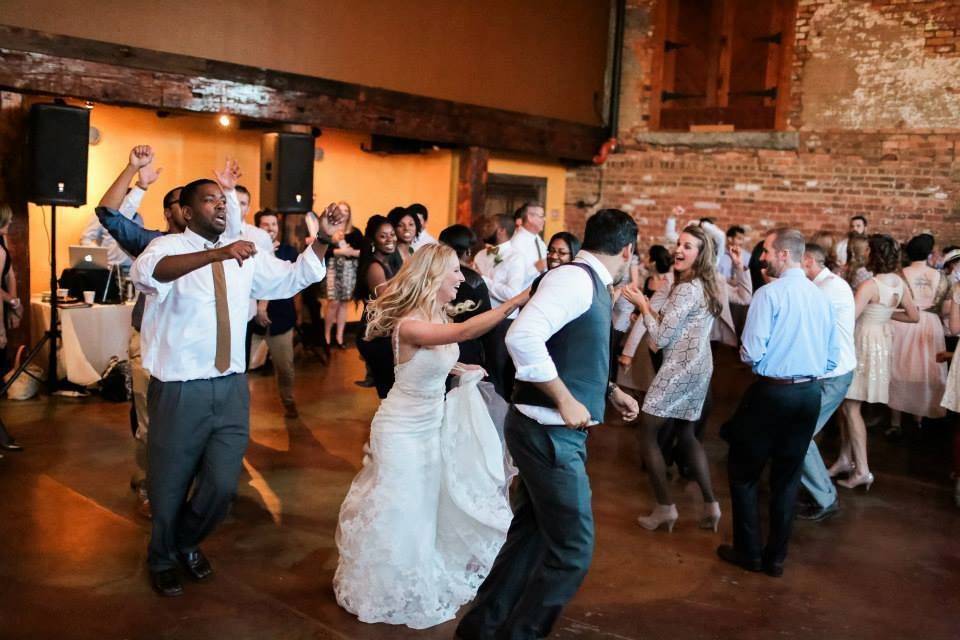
(562, 296)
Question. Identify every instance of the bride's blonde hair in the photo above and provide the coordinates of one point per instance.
(413, 290)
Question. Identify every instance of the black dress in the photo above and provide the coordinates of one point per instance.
(377, 353)
(473, 289)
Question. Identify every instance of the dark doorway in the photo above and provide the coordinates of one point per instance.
(505, 193)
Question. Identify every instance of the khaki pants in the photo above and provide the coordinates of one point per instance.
(281, 352)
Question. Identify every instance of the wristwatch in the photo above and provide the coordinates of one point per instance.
(611, 387)
(324, 238)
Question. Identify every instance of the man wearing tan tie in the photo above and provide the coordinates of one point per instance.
(193, 335)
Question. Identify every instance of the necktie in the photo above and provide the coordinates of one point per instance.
(222, 360)
(536, 243)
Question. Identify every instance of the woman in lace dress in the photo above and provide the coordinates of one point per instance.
(682, 331)
(879, 300)
(426, 516)
(917, 380)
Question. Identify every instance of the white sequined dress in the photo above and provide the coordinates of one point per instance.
(873, 338)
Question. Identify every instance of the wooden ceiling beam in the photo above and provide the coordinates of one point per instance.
(64, 66)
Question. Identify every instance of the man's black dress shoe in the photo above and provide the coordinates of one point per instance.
(167, 583)
(11, 445)
(196, 565)
(773, 569)
(818, 514)
(727, 553)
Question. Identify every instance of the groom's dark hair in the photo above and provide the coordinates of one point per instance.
(609, 231)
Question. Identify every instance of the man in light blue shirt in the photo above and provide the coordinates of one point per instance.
(790, 341)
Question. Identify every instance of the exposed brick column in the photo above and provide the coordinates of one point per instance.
(472, 184)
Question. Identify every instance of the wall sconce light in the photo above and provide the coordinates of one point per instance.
(224, 120)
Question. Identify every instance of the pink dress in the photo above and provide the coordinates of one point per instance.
(917, 380)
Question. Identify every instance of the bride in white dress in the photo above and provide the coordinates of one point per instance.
(426, 516)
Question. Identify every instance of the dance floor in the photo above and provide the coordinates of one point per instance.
(74, 547)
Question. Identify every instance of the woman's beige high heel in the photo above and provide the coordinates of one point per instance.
(855, 481)
(711, 516)
(663, 514)
(842, 465)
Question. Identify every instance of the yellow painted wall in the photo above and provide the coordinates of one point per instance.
(189, 147)
(555, 174)
(545, 57)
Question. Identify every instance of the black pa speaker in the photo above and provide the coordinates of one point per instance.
(286, 172)
(58, 140)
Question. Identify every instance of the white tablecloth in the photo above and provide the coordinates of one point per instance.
(91, 336)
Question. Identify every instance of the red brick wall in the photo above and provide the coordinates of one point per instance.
(875, 101)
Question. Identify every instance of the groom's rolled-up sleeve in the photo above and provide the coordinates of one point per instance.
(562, 296)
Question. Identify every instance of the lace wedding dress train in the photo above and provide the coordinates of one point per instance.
(426, 516)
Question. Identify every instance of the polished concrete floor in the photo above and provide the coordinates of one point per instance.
(73, 546)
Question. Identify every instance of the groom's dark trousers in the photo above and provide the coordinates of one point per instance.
(550, 542)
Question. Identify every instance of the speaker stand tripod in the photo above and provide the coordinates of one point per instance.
(51, 336)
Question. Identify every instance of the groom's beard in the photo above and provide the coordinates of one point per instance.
(621, 275)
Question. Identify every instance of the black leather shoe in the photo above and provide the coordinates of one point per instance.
(196, 565)
(167, 583)
(11, 445)
(727, 553)
(817, 514)
(773, 569)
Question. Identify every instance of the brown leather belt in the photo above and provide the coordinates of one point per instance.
(788, 380)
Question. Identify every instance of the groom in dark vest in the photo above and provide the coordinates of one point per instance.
(560, 344)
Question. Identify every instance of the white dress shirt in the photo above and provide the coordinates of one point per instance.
(531, 248)
(506, 277)
(261, 238)
(95, 235)
(483, 262)
(423, 239)
(841, 250)
(562, 296)
(840, 295)
(718, 236)
(180, 323)
(725, 264)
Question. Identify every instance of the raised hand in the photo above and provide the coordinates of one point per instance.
(633, 293)
(239, 251)
(229, 177)
(141, 155)
(148, 174)
(330, 219)
(736, 257)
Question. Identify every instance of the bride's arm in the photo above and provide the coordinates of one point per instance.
(428, 334)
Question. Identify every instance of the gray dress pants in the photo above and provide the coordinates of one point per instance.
(199, 431)
(550, 542)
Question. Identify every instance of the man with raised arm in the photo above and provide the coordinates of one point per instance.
(199, 284)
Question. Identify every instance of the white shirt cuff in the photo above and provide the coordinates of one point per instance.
(538, 372)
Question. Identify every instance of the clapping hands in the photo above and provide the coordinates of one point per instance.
(633, 293)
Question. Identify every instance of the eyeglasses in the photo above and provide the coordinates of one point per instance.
(561, 253)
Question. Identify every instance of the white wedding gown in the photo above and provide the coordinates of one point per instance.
(426, 516)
